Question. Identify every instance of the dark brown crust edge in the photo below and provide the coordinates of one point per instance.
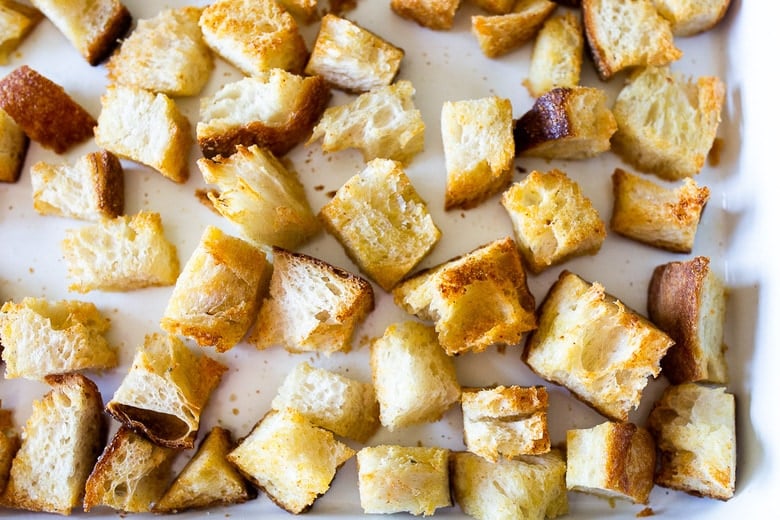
(103, 46)
(547, 120)
(109, 182)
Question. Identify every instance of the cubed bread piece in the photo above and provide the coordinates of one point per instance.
(261, 196)
(164, 54)
(589, 342)
(566, 123)
(16, 22)
(275, 109)
(292, 460)
(254, 35)
(93, 27)
(382, 222)
(505, 421)
(694, 428)
(208, 479)
(433, 14)
(690, 17)
(218, 294)
(130, 475)
(552, 219)
(611, 460)
(352, 58)
(403, 479)
(312, 305)
(556, 60)
(666, 217)
(92, 188)
(121, 254)
(476, 300)
(9, 445)
(415, 381)
(13, 148)
(165, 391)
(306, 10)
(479, 149)
(531, 487)
(687, 300)
(500, 34)
(61, 441)
(626, 34)
(495, 6)
(666, 124)
(42, 337)
(145, 127)
(43, 110)
(382, 123)
(345, 406)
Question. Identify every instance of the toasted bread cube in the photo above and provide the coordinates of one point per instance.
(164, 54)
(589, 342)
(552, 219)
(312, 306)
(165, 391)
(43, 110)
(208, 479)
(382, 222)
(9, 445)
(261, 196)
(611, 460)
(292, 460)
(477, 300)
(687, 300)
(120, 254)
(147, 128)
(526, 488)
(415, 381)
(556, 60)
(402, 479)
(690, 17)
(694, 427)
(656, 215)
(352, 58)
(433, 14)
(624, 35)
(666, 124)
(345, 406)
(13, 148)
(505, 421)
(92, 188)
(61, 441)
(275, 110)
(131, 474)
(382, 123)
(479, 149)
(495, 6)
(16, 22)
(304, 10)
(500, 34)
(254, 35)
(218, 294)
(566, 123)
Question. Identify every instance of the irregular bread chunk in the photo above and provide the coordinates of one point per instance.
(16, 22)
(9, 445)
(690, 17)
(556, 60)
(500, 34)
(13, 148)
(433, 14)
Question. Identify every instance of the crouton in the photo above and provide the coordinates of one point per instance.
(556, 60)
(13, 148)
(691, 17)
(438, 15)
(500, 34)
(304, 10)
(16, 20)
(9, 445)
(495, 6)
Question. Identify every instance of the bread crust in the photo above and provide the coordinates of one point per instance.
(115, 27)
(13, 148)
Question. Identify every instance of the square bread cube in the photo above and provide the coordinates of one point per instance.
(13, 148)
(415, 381)
(590, 343)
(402, 479)
(433, 14)
(476, 300)
(479, 149)
(505, 421)
(689, 17)
(556, 60)
(16, 20)
(552, 219)
(382, 222)
(611, 460)
(502, 33)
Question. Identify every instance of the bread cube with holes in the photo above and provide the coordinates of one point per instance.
(502, 33)
(556, 60)
(433, 14)
(689, 17)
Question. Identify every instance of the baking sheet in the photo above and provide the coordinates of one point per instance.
(445, 66)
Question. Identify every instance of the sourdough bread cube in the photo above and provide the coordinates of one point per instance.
(499, 34)
(9, 445)
(590, 343)
(438, 15)
(218, 294)
(304, 10)
(415, 381)
(312, 306)
(552, 219)
(505, 421)
(690, 17)
(292, 460)
(611, 460)
(402, 479)
(661, 216)
(477, 300)
(479, 149)
(556, 60)
(13, 148)
(16, 22)
(382, 222)
(694, 427)
(531, 487)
